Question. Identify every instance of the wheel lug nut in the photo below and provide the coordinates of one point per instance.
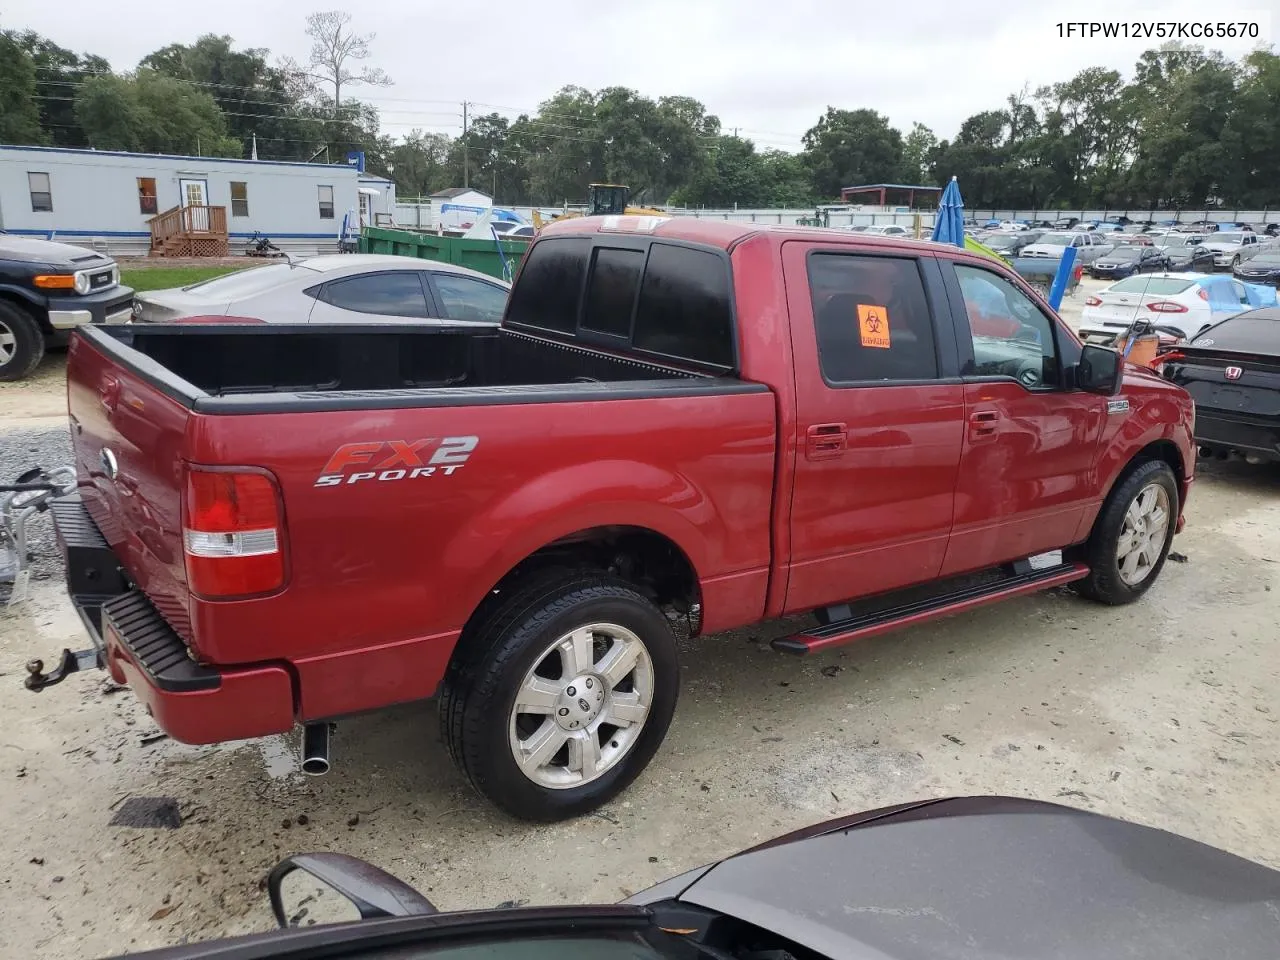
(572, 692)
(588, 683)
(564, 711)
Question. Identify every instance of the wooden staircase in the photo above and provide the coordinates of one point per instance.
(190, 232)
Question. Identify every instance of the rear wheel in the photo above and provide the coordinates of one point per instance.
(561, 695)
(21, 342)
(1131, 536)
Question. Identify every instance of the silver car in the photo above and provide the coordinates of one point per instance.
(341, 288)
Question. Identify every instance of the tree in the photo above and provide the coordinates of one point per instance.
(735, 175)
(334, 47)
(420, 164)
(150, 113)
(19, 113)
(916, 149)
(258, 100)
(59, 74)
(849, 147)
(1251, 134)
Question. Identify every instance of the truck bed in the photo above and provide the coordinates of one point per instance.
(235, 368)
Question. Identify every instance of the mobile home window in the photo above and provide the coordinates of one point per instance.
(147, 195)
(326, 203)
(240, 199)
(41, 195)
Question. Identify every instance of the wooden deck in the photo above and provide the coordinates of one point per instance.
(190, 232)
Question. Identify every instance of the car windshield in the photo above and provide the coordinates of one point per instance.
(1271, 259)
(1161, 286)
(1236, 238)
(1171, 241)
(244, 282)
(1001, 241)
(1057, 239)
(1125, 253)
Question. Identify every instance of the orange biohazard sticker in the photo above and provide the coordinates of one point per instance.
(873, 325)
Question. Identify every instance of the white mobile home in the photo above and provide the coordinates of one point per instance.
(105, 199)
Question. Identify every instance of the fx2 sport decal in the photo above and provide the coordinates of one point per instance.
(374, 461)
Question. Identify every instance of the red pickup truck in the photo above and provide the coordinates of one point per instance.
(680, 425)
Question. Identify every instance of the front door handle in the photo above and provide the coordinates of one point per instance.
(983, 423)
(824, 441)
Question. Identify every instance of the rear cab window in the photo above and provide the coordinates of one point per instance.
(670, 301)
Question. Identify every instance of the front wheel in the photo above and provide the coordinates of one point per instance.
(21, 342)
(1132, 536)
(562, 695)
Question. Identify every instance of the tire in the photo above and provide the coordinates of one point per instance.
(520, 643)
(1108, 581)
(21, 342)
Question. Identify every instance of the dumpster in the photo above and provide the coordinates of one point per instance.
(495, 257)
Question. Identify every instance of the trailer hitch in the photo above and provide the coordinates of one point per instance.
(73, 661)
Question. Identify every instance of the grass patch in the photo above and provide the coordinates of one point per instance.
(162, 278)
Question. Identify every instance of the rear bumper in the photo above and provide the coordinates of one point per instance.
(1234, 434)
(192, 702)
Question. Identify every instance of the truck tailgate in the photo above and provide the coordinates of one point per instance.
(128, 441)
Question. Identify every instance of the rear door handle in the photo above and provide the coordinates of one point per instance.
(110, 393)
(825, 441)
(983, 423)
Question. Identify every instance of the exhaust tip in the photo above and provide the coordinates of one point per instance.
(315, 766)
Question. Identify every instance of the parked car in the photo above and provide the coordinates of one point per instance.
(1125, 261)
(950, 877)
(1233, 371)
(1228, 247)
(888, 230)
(1132, 240)
(351, 288)
(1066, 223)
(1011, 245)
(1188, 302)
(1262, 267)
(1089, 246)
(516, 518)
(1186, 252)
(48, 289)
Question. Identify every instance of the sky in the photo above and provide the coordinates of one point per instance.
(767, 68)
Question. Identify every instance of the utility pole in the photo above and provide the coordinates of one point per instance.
(466, 164)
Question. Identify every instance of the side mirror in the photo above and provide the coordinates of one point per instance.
(1098, 370)
(373, 892)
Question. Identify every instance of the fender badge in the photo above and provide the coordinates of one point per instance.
(1117, 406)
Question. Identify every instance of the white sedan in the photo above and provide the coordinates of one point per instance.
(1187, 302)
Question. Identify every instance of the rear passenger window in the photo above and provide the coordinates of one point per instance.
(685, 310)
(611, 291)
(550, 285)
(871, 318)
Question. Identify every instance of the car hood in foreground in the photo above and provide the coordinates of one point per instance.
(989, 877)
(61, 255)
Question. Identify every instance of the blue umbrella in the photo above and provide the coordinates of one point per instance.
(948, 227)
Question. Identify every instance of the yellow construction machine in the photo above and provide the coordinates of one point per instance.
(605, 199)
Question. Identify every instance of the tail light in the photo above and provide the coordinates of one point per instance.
(1166, 306)
(1093, 301)
(232, 533)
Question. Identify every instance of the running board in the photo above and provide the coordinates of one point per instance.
(908, 614)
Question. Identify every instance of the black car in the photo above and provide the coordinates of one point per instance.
(972, 877)
(1186, 252)
(46, 290)
(1124, 261)
(1263, 267)
(1232, 371)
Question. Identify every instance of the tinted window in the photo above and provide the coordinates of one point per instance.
(465, 298)
(1267, 259)
(550, 283)
(685, 309)
(611, 291)
(1011, 337)
(1125, 253)
(872, 318)
(1257, 331)
(389, 294)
